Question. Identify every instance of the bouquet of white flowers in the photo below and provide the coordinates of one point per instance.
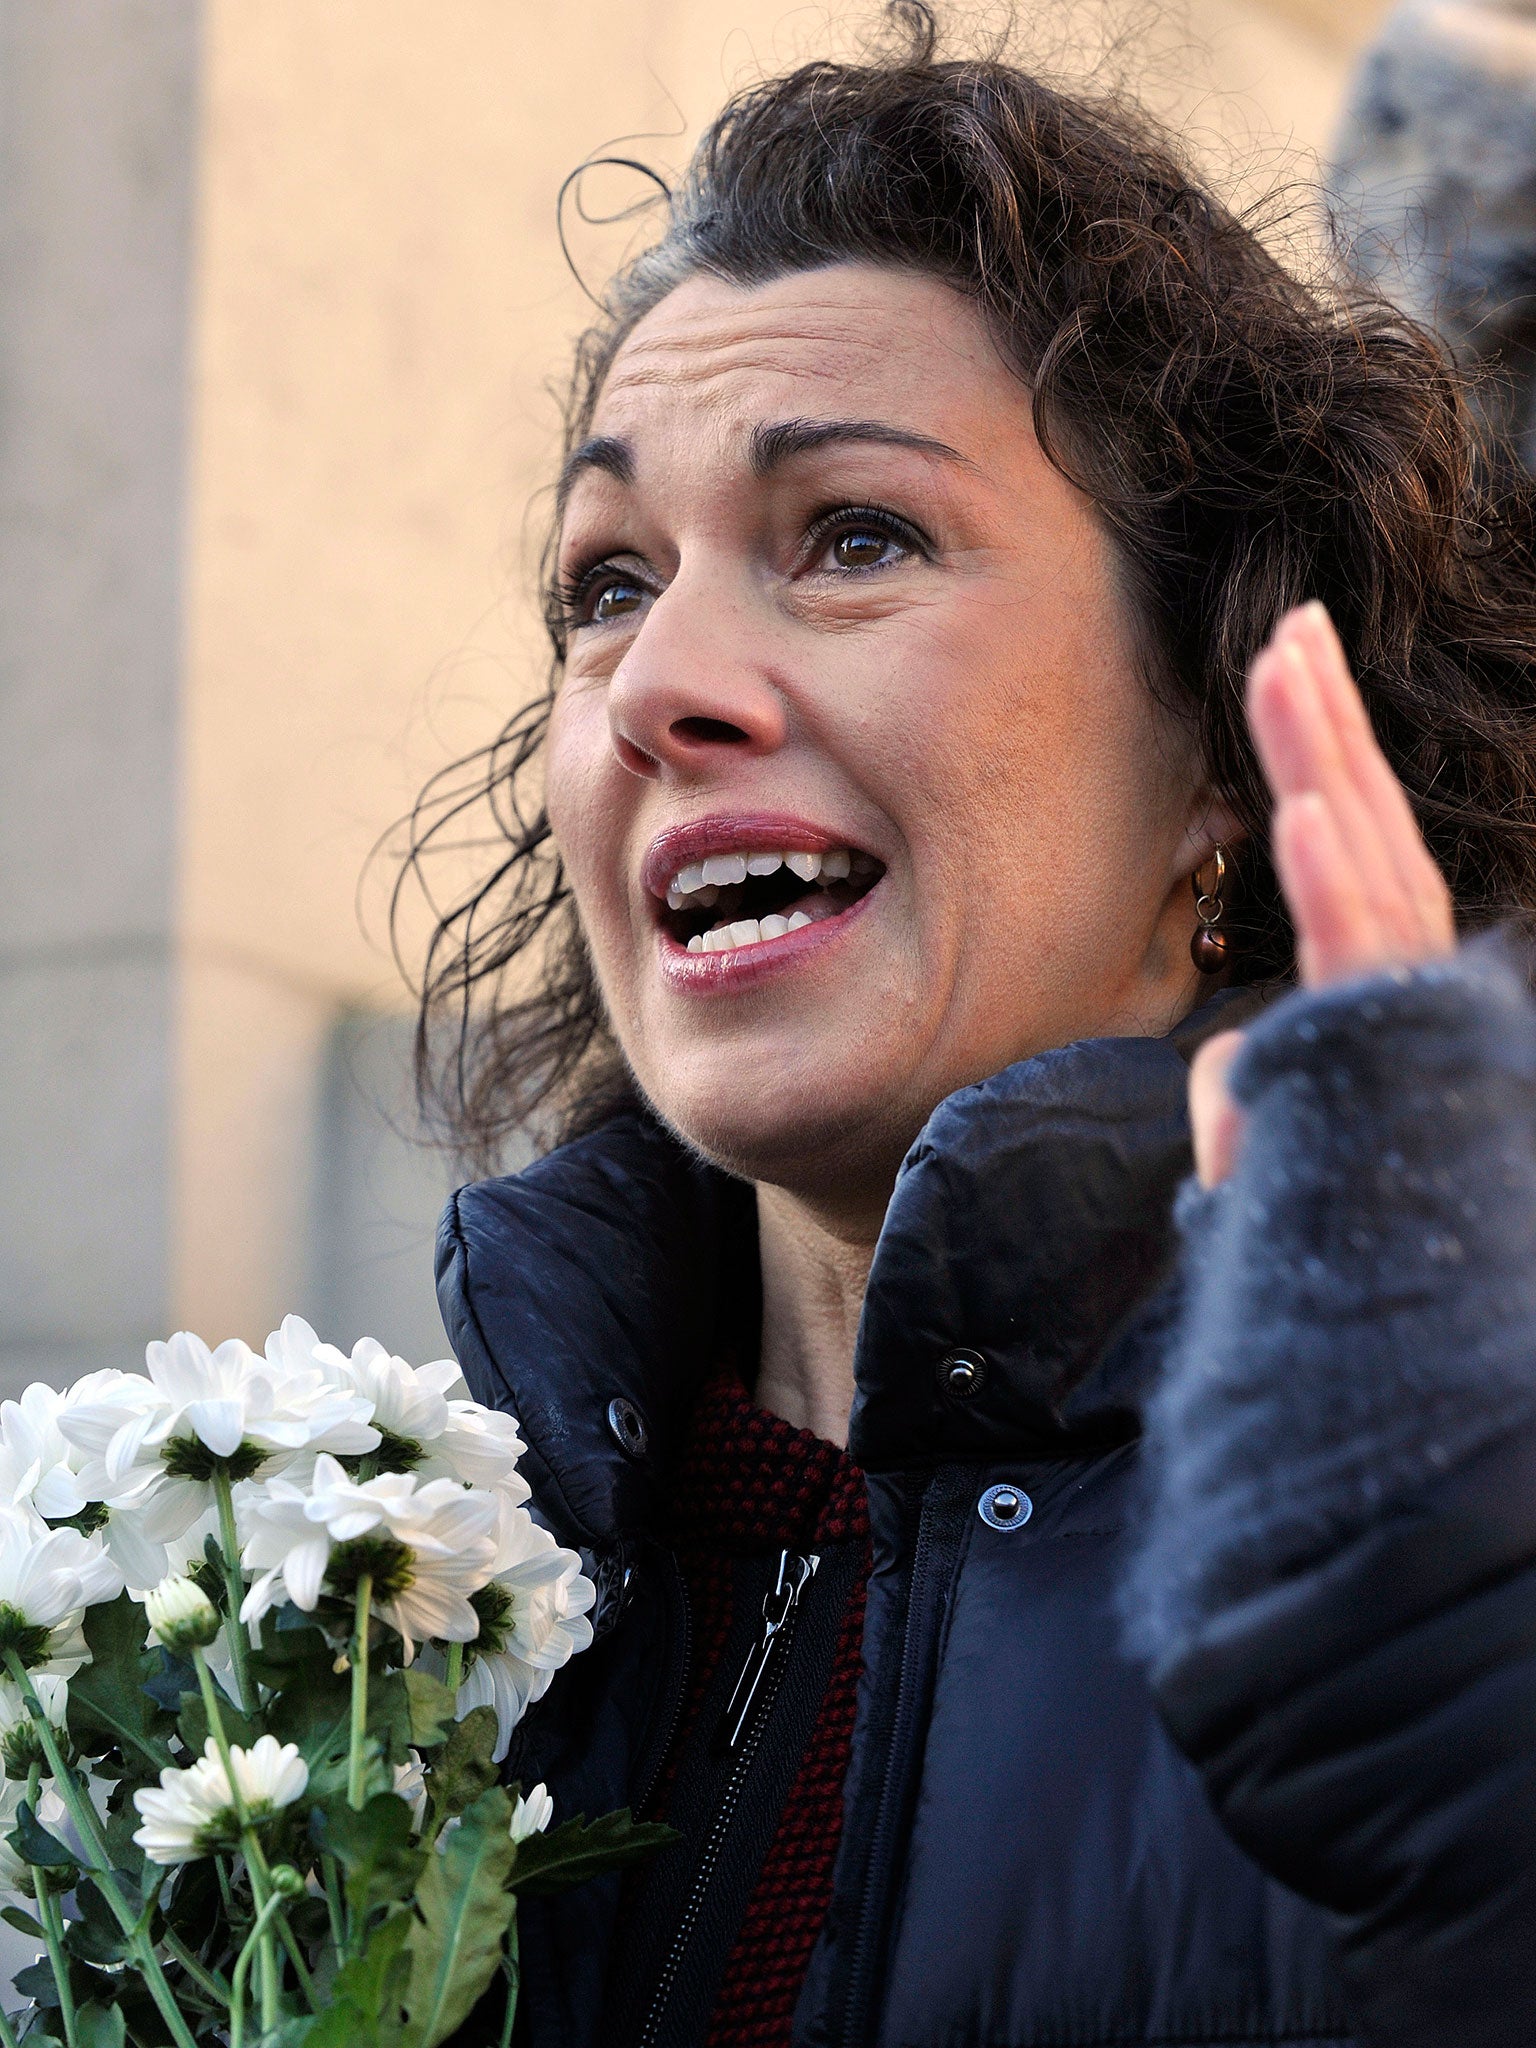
(266, 1626)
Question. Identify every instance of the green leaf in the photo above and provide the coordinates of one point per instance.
(109, 1708)
(95, 1937)
(36, 1982)
(374, 1849)
(192, 1723)
(126, 1855)
(169, 1678)
(362, 2009)
(14, 1916)
(372, 1987)
(465, 1907)
(99, 2026)
(389, 1714)
(580, 1849)
(464, 1769)
(33, 1843)
(312, 1700)
(431, 1707)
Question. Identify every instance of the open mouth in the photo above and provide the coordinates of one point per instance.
(733, 900)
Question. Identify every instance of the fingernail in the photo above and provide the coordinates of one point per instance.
(1299, 667)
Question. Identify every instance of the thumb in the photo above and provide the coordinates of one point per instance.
(1216, 1122)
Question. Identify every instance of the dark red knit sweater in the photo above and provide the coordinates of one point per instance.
(750, 1484)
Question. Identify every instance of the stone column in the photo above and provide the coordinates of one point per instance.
(97, 172)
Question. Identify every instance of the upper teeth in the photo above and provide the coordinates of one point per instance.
(723, 870)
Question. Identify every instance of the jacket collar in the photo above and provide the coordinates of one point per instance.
(1030, 1224)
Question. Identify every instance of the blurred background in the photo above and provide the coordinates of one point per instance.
(283, 297)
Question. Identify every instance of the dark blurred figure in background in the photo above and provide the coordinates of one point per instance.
(1436, 187)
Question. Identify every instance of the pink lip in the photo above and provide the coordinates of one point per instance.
(742, 967)
(755, 832)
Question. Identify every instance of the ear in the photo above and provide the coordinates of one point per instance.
(1212, 823)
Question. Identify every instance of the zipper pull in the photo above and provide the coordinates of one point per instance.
(795, 1574)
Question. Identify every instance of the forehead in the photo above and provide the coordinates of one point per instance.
(815, 342)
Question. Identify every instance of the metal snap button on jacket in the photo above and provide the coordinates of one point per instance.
(628, 1426)
(962, 1374)
(1005, 1507)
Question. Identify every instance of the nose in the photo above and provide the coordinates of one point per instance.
(693, 690)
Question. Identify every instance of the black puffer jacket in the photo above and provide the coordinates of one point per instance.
(1332, 1577)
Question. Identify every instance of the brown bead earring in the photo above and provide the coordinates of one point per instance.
(1210, 948)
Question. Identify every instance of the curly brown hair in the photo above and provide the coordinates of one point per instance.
(1250, 440)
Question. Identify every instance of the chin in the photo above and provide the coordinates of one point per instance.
(817, 1139)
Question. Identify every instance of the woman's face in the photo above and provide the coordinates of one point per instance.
(859, 790)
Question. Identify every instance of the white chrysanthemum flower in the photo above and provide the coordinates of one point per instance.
(20, 1747)
(48, 1577)
(40, 1468)
(411, 1786)
(533, 1618)
(427, 1423)
(532, 1813)
(157, 1442)
(192, 1812)
(15, 1874)
(426, 1548)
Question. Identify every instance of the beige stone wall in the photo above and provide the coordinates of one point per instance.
(377, 299)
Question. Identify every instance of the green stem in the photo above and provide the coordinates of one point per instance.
(7, 2031)
(217, 1987)
(234, 1591)
(53, 1933)
(300, 1967)
(455, 1677)
(332, 1884)
(511, 1969)
(262, 1895)
(255, 1861)
(259, 1933)
(88, 1824)
(359, 1693)
(217, 1730)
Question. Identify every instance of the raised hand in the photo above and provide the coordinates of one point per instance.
(1362, 890)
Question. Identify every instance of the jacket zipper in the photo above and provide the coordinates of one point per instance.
(856, 2003)
(740, 1733)
(679, 1694)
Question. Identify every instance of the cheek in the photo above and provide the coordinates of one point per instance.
(586, 812)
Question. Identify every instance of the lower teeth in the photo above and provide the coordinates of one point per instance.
(747, 931)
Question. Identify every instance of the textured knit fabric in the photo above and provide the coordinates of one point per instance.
(751, 1484)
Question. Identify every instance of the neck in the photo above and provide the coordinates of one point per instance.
(815, 1268)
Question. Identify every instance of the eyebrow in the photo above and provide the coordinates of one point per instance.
(771, 446)
(604, 452)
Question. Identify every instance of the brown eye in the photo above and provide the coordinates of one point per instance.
(617, 600)
(860, 548)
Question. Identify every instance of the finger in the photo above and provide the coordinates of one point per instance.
(1300, 750)
(1216, 1122)
(1370, 772)
(1338, 933)
(1312, 733)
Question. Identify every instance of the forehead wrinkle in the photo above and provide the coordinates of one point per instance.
(702, 357)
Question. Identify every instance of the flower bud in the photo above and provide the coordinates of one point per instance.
(20, 1744)
(287, 1882)
(532, 1814)
(181, 1614)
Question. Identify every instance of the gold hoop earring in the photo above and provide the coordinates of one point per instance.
(1210, 948)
